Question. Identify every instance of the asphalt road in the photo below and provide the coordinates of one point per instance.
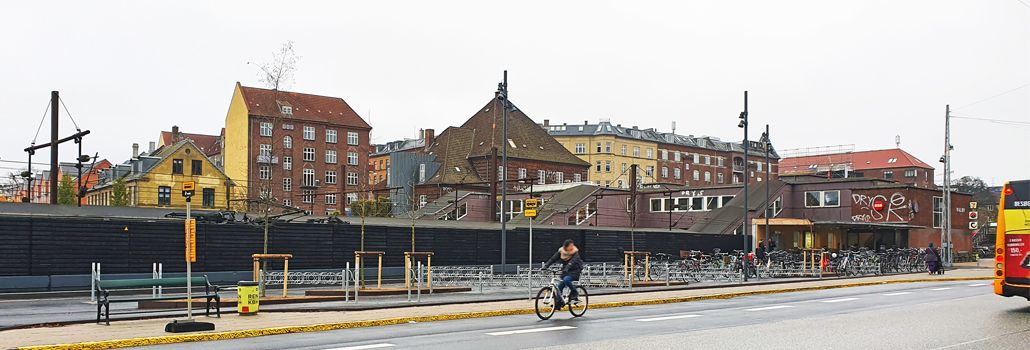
(942, 315)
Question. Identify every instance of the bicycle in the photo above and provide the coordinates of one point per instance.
(545, 298)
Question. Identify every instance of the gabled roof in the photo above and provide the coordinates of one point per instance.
(206, 143)
(526, 140)
(333, 110)
(861, 160)
(398, 146)
(651, 135)
(162, 154)
(452, 149)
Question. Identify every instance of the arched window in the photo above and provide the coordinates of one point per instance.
(287, 142)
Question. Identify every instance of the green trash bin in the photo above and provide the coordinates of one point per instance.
(247, 298)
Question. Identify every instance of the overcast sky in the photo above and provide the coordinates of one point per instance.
(820, 72)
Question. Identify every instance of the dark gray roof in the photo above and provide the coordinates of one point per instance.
(398, 146)
(606, 128)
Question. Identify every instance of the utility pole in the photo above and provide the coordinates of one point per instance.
(743, 124)
(55, 99)
(768, 177)
(946, 224)
(504, 166)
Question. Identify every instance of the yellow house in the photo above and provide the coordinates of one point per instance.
(156, 180)
(610, 150)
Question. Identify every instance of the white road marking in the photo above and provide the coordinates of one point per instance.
(838, 300)
(362, 347)
(666, 318)
(978, 284)
(532, 330)
(897, 293)
(774, 307)
(943, 288)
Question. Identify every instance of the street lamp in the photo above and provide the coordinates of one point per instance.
(743, 125)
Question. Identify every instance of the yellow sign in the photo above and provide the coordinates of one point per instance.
(529, 213)
(188, 186)
(191, 240)
(532, 203)
(972, 205)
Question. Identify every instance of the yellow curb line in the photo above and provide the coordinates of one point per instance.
(171, 339)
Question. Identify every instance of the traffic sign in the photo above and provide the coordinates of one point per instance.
(532, 203)
(972, 205)
(529, 213)
(973, 225)
(191, 240)
(187, 188)
(973, 215)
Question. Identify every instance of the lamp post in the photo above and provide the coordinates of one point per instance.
(502, 95)
(766, 144)
(743, 125)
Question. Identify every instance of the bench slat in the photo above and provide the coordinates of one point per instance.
(150, 282)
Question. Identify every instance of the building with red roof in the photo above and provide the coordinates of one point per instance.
(888, 164)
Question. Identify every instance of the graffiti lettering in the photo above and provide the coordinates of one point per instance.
(895, 208)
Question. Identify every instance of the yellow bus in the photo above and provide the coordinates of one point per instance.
(1012, 258)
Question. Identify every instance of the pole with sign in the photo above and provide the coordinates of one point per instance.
(189, 325)
(530, 212)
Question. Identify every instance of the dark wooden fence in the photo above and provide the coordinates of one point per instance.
(41, 246)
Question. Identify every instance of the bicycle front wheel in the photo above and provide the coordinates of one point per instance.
(579, 308)
(545, 303)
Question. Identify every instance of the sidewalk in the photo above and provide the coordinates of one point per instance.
(232, 326)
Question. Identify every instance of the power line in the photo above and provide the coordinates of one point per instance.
(996, 121)
(1024, 3)
(997, 95)
(68, 113)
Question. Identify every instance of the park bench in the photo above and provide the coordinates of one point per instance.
(105, 287)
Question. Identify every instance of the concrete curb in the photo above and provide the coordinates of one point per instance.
(171, 339)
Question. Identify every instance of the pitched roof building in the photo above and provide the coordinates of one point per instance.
(888, 164)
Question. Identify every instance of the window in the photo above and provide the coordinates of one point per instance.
(697, 158)
(708, 176)
(708, 160)
(649, 171)
(287, 126)
(624, 167)
(330, 156)
(287, 163)
(911, 173)
(287, 184)
(892, 160)
(307, 196)
(665, 172)
(598, 166)
(938, 212)
(888, 175)
(309, 133)
(607, 166)
(636, 151)
(759, 166)
(607, 147)
(818, 199)
(309, 154)
(697, 175)
(264, 150)
(164, 195)
(541, 177)
(577, 177)
(422, 200)
(330, 176)
(197, 167)
(650, 153)
(501, 174)
(330, 198)
(559, 177)
(309, 178)
(266, 129)
(598, 147)
(676, 156)
(287, 142)
(265, 172)
(657, 204)
(286, 109)
(663, 154)
(676, 174)
(623, 149)
(177, 166)
(581, 148)
(775, 208)
(352, 179)
(352, 138)
(422, 172)
(522, 173)
(351, 198)
(209, 198)
(721, 178)
(288, 202)
(721, 161)
(583, 214)
(330, 136)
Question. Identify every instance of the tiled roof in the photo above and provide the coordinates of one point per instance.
(452, 149)
(862, 160)
(206, 143)
(526, 140)
(333, 110)
(652, 135)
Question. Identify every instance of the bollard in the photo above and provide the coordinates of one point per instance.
(343, 283)
(418, 296)
(481, 282)
(94, 271)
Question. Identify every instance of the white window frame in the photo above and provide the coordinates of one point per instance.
(288, 142)
(309, 133)
(352, 158)
(287, 184)
(330, 136)
(287, 163)
(352, 179)
(309, 154)
(330, 156)
(308, 178)
(330, 198)
(330, 177)
(821, 195)
(266, 129)
(581, 148)
(541, 177)
(352, 138)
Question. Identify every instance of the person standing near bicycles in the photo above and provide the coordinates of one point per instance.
(571, 267)
(932, 259)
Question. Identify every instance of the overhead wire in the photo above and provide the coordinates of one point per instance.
(69, 114)
(993, 96)
(40, 127)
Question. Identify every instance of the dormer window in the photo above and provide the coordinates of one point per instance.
(286, 110)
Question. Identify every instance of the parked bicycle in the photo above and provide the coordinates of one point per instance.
(545, 299)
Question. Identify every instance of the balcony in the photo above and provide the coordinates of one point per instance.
(266, 159)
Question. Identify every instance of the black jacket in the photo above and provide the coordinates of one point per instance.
(572, 267)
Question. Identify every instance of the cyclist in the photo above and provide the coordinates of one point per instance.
(572, 265)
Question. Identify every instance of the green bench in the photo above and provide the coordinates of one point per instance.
(105, 287)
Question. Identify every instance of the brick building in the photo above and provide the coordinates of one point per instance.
(888, 164)
(381, 158)
(306, 151)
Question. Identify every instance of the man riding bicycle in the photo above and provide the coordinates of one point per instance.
(571, 267)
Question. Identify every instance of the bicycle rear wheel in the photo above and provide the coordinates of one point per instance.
(544, 304)
(578, 309)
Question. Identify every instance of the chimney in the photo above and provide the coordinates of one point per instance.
(428, 135)
(547, 122)
(150, 151)
(135, 150)
(634, 127)
(586, 122)
(175, 133)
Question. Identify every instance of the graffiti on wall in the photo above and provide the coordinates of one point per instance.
(892, 207)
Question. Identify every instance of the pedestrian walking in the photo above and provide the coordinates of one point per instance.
(933, 259)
